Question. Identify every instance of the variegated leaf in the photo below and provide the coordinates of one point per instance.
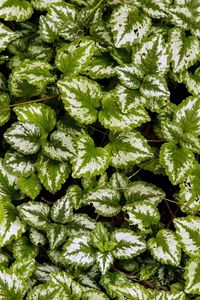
(178, 162)
(128, 148)
(165, 247)
(184, 50)
(105, 200)
(101, 67)
(118, 181)
(95, 295)
(163, 295)
(15, 10)
(30, 186)
(90, 160)
(23, 246)
(43, 4)
(24, 137)
(129, 243)
(192, 81)
(45, 291)
(62, 146)
(62, 211)
(143, 191)
(192, 275)
(52, 173)
(80, 223)
(155, 9)
(38, 114)
(4, 108)
(104, 261)
(128, 25)
(4, 259)
(24, 268)
(144, 214)
(6, 35)
(73, 58)
(81, 97)
(56, 234)
(78, 251)
(11, 228)
(100, 31)
(75, 194)
(188, 232)
(35, 214)
(130, 75)
(44, 271)
(36, 237)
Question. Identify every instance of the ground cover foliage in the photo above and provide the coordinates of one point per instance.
(99, 149)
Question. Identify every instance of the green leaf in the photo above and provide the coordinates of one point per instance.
(101, 67)
(24, 137)
(38, 114)
(11, 286)
(4, 108)
(2, 213)
(18, 164)
(45, 291)
(191, 275)
(15, 10)
(23, 246)
(81, 97)
(4, 259)
(30, 78)
(6, 35)
(178, 162)
(129, 244)
(75, 194)
(11, 228)
(56, 234)
(30, 186)
(154, 9)
(95, 295)
(152, 56)
(130, 75)
(35, 214)
(188, 232)
(184, 50)
(62, 146)
(104, 261)
(23, 268)
(74, 58)
(143, 214)
(100, 31)
(162, 295)
(43, 4)
(192, 80)
(119, 112)
(105, 200)
(128, 148)
(128, 25)
(80, 223)
(62, 211)
(44, 270)
(52, 173)
(90, 160)
(165, 247)
(36, 237)
(78, 251)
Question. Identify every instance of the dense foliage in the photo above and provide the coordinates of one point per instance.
(99, 149)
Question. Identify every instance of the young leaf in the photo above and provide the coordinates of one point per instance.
(52, 173)
(30, 186)
(24, 137)
(15, 10)
(35, 214)
(128, 148)
(188, 232)
(36, 237)
(62, 211)
(81, 97)
(178, 162)
(75, 194)
(129, 244)
(165, 247)
(191, 275)
(56, 234)
(4, 108)
(128, 25)
(90, 160)
(104, 261)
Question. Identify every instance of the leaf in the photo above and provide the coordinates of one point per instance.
(191, 80)
(35, 214)
(90, 160)
(144, 214)
(45, 291)
(95, 295)
(104, 261)
(143, 191)
(11, 286)
(38, 114)
(2, 213)
(74, 58)
(6, 35)
(178, 162)
(118, 113)
(101, 67)
(52, 173)
(128, 25)
(191, 276)
(4, 259)
(80, 223)
(43, 4)
(75, 194)
(105, 200)
(188, 232)
(184, 50)
(36, 237)
(24, 137)
(18, 164)
(30, 78)
(23, 246)
(162, 295)
(4, 108)
(30, 186)
(62, 211)
(155, 9)
(152, 56)
(11, 228)
(165, 247)
(129, 244)
(56, 234)
(62, 146)
(81, 97)
(24, 268)
(128, 148)
(130, 75)
(43, 271)
(78, 251)
(15, 10)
